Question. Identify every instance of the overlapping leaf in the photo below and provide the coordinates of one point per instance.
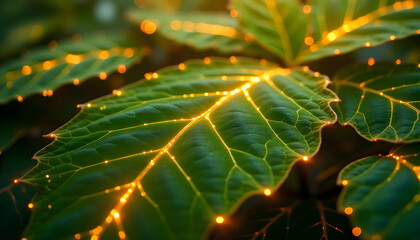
(326, 27)
(202, 31)
(381, 101)
(164, 158)
(279, 25)
(382, 194)
(43, 70)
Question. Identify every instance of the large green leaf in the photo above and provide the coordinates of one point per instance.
(330, 26)
(162, 159)
(70, 61)
(201, 30)
(287, 220)
(382, 194)
(381, 101)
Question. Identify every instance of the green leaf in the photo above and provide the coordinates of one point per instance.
(279, 25)
(199, 30)
(343, 26)
(382, 194)
(298, 219)
(172, 154)
(300, 33)
(46, 69)
(380, 101)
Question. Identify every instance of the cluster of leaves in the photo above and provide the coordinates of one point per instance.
(173, 155)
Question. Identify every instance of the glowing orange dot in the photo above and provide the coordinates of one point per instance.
(49, 206)
(20, 98)
(249, 37)
(309, 40)
(148, 76)
(367, 44)
(102, 76)
(181, 66)
(73, 59)
(207, 60)
(77, 236)
(331, 36)
(346, 28)
(15, 181)
(316, 74)
(148, 26)
(30, 205)
(220, 220)
(371, 61)
(24, 239)
(108, 219)
(356, 231)
(232, 59)
(47, 65)
(155, 75)
(392, 38)
(337, 51)
(263, 62)
(128, 52)
(267, 192)
(345, 182)
(50, 93)
(45, 93)
(348, 210)
(118, 93)
(408, 4)
(305, 158)
(123, 200)
(116, 215)
(122, 69)
(121, 234)
(233, 13)
(104, 54)
(176, 25)
(97, 230)
(26, 70)
(398, 62)
(76, 81)
(94, 237)
(307, 9)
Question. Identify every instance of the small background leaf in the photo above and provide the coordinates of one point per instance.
(202, 30)
(43, 70)
(343, 26)
(382, 194)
